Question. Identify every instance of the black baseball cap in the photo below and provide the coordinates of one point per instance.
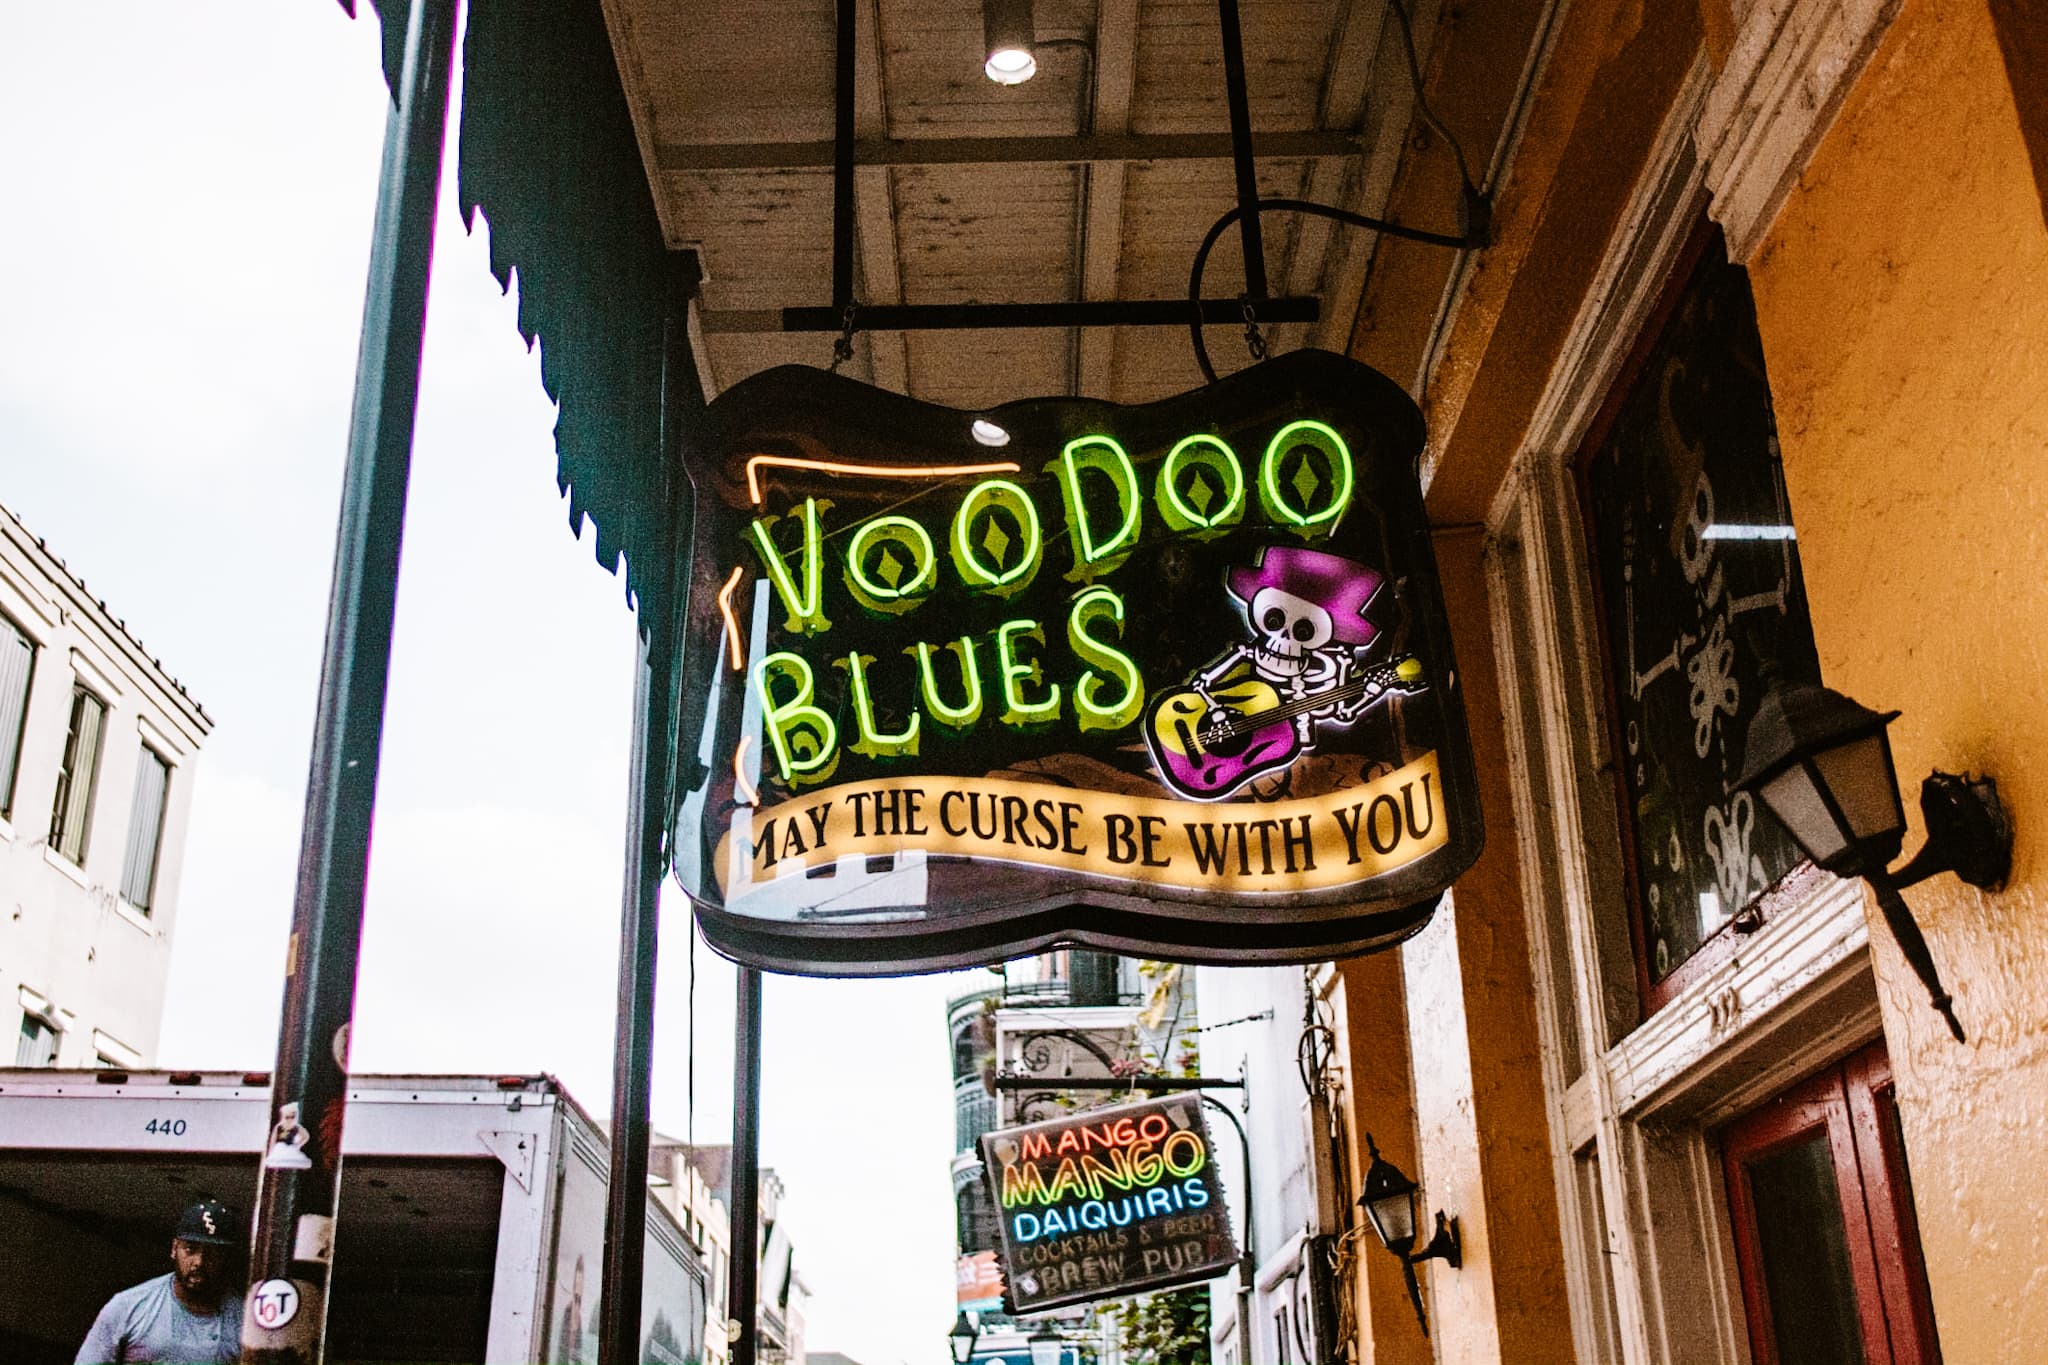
(209, 1223)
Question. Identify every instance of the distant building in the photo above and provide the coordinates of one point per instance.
(1085, 1015)
(783, 1297)
(97, 749)
(707, 1222)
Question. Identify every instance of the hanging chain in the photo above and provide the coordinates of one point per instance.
(842, 349)
(1254, 341)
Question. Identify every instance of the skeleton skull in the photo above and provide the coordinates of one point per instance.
(1289, 628)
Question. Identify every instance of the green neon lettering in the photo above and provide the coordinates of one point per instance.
(805, 740)
(1103, 454)
(806, 608)
(952, 717)
(987, 574)
(873, 741)
(912, 581)
(1320, 437)
(1198, 511)
(1095, 604)
(1018, 711)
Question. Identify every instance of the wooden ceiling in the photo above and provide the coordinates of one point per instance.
(1095, 180)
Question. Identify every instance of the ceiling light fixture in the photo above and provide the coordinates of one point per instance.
(1007, 36)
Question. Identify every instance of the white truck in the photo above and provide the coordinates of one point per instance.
(471, 1223)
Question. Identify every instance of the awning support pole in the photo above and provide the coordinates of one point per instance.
(842, 161)
(1241, 151)
(745, 1279)
(647, 818)
(291, 1252)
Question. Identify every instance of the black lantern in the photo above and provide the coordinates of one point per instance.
(1046, 1345)
(1389, 1201)
(962, 1339)
(1823, 764)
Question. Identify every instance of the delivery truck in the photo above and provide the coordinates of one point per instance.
(471, 1224)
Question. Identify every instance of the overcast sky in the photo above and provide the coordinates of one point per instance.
(189, 194)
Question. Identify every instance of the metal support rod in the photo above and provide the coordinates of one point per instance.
(1157, 1083)
(927, 317)
(1247, 1245)
(842, 162)
(746, 1169)
(291, 1252)
(1241, 152)
(647, 809)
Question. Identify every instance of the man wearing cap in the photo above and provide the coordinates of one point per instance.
(188, 1316)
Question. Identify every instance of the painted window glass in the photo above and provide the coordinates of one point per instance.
(71, 813)
(17, 667)
(145, 829)
(1701, 598)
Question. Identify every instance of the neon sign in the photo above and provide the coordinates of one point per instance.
(1107, 1202)
(1172, 678)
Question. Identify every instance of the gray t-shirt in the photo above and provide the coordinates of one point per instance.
(147, 1323)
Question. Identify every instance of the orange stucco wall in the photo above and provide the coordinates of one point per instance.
(1903, 298)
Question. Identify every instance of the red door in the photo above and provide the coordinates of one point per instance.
(1824, 1231)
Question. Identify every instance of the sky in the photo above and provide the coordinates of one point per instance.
(190, 190)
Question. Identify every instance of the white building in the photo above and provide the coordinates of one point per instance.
(97, 747)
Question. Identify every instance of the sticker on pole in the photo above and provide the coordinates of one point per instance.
(274, 1303)
(1108, 1202)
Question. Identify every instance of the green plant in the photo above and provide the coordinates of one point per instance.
(1167, 1328)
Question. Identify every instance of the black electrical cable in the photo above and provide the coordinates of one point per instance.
(1475, 208)
(1345, 216)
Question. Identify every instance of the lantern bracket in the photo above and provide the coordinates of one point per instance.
(1968, 833)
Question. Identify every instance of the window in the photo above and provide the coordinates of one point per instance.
(1700, 593)
(71, 815)
(145, 829)
(38, 1045)
(17, 667)
(1825, 1238)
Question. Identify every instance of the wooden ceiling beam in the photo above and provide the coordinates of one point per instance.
(1102, 209)
(872, 151)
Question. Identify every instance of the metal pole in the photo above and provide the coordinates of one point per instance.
(1247, 1246)
(746, 1168)
(647, 810)
(842, 163)
(291, 1253)
(1241, 150)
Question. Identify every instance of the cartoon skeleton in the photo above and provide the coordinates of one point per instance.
(1305, 610)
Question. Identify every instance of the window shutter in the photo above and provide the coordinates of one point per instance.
(145, 829)
(17, 659)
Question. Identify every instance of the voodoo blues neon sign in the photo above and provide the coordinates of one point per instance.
(1171, 678)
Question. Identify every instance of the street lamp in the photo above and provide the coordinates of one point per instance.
(1389, 1201)
(1823, 764)
(961, 1339)
(1046, 1345)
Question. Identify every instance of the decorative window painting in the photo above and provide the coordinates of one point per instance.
(1700, 590)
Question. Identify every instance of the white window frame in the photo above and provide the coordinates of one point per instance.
(1650, 1262)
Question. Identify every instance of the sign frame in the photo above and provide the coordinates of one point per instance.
(783, 426)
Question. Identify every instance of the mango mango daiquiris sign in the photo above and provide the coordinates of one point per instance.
(1171, 679)
(1107, 1202)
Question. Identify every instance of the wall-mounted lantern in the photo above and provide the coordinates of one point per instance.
(1390, 1202)
(1823, 764)
(1046, 1346)
(962, 1339)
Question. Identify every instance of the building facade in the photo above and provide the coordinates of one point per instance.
(1750, 385)
(98, 746)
